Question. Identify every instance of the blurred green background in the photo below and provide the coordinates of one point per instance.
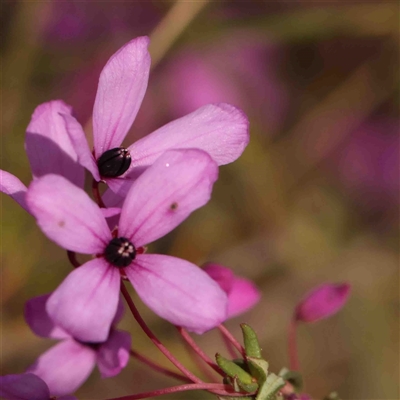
(314, 198)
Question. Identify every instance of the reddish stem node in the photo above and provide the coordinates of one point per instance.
(193, 345)
(217, 388)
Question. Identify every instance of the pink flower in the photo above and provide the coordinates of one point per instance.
(26, 387)
(67, 365)
(219, 129)
(242, 293)
(49, 150)
(179, 182)
(322, 302)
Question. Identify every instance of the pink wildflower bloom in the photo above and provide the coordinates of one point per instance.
(26, 387)
(67, 365)
(179, 182)
(219, 129)
(322, 302)
(49, 150)
(242, 293)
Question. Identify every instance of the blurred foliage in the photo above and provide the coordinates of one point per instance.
(286, 214)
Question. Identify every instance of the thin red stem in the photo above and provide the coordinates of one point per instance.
(229, 346)
(96, 194)
(72, 259)
(189, 340)
(154, 339)
(157, 367)
(230, 337)
(292, 346)
(217, 388)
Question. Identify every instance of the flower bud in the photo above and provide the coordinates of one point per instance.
(322, 302)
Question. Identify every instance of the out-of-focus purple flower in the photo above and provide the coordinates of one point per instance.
(220, 129)
(67, 365)
(73, 22)
(179, 182)
(26, 387)
(322, 302)
(242, 293)
(369, 167)
(49, 150)
(241, 69)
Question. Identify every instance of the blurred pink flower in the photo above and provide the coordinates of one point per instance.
(72, 22)
(369, 167)
(26, 387)
(179, 182)
(67, 365)
(241, 69)
(242, 293)
(322, 302)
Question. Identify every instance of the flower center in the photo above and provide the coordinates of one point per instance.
(114, 162)
(120, 252)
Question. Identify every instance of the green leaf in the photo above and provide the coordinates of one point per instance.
(259, 368)
(270, 387)
(240, 377)
(250, 339)
(332, 396)
(293, 377)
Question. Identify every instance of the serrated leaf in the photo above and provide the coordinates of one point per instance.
(250, 340)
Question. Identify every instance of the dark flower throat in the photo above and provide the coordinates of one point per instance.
(120, 252)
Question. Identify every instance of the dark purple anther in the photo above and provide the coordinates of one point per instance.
(114, 162)
(120, 252)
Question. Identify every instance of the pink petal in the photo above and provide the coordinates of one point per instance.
(222, 275)
(221, 130)
(11, 185)
(178, 291)
(243, 296)
(67, 215)
(65, 366)
(113, 355)
(39, 320)
(322, 302)
(80, 144)
(48, 145)
(110, 212)
(121, 89)
(23, 387)
(179, 182)
(86, 301)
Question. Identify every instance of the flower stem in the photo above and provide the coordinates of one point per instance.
(189, 340)
(212, 387)
(292, 346)
(96, 194)
(231, 339)
(157, 367)
(154, 339)
(72, 259)
(229, 346)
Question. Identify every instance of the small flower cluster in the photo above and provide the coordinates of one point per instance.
(153, 185)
